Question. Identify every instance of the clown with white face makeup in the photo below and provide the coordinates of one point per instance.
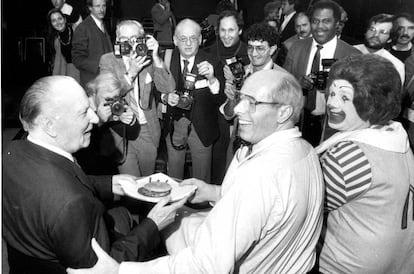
(368, 169)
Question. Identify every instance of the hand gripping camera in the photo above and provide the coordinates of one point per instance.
(117, 104)
(320, 78)
(186, 95)
(133, 45)
(237, 70)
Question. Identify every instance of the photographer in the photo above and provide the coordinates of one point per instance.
(192, 111)
(229, 45)
(136, 63)
(305, 58)
(262, 42)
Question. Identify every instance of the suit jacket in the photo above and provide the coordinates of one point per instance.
(205, 106)
(162, 79)
(89, 43)
(298, 55)
(163, 26)
(289, 30)
(51, 210)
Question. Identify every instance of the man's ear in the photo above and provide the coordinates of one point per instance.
(273, 49)
(285, 112)
(175, 40)
(48, 125)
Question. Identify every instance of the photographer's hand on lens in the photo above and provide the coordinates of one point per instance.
(136, 64)
(228, 75)
(306, 82)
(230, 90)
(172, 99)
(207, 70)
(128, 117)
(104, 111)
(163, 214)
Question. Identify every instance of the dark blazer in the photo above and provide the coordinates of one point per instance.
(89, 43)
(163, 27)
(205, 106)
(51, 210)
(298, 55)
(162, 79)
(288, 31)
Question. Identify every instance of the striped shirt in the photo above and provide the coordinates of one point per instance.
(347, 174)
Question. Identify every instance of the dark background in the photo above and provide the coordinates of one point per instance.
(22, 61)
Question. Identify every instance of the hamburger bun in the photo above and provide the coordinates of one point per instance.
(155, 189)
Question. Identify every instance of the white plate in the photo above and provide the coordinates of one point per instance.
(177, 192)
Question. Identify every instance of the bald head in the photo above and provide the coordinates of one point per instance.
(187, 38)
(276, 86)
(44, 94)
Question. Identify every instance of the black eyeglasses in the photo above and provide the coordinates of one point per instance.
(253, 102)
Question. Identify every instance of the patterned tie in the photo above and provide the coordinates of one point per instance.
(185, 67)
(317, 59)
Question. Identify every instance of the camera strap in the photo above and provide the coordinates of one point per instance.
(171, 129)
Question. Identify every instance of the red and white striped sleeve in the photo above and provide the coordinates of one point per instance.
(347, 174)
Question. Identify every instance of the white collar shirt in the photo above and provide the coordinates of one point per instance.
(99, 23)
(327, 52)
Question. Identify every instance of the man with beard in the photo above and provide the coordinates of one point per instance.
(302, 28)
(229, 45)
(376, 38)
(402, 47)
(305, 57)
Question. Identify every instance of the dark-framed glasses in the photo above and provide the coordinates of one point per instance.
(252, 102)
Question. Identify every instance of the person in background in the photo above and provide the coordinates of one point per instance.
(341, 26)
(377, 36)
(287, 25)
(267, 215)
(72, 14)
(261, 45)
(60, 41)
(272, 13)
(368, 168)
(302, 29)
(403, 30)
(91, 40)
(228, 46)
(51, 208)
(164, 22)
(142, 77)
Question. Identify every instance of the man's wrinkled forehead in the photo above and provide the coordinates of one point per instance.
(188, 28)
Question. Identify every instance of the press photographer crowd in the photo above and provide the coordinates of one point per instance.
(208, 146)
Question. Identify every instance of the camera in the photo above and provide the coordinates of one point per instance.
(320, 78)
(207, 31)
(133, 45)
(117, 104)
(237, 70)
(186, 95)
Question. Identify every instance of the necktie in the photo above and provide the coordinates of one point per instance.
(185, 67)
(316, 59)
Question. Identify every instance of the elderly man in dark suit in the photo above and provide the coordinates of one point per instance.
(90, 41)
(51, 208)
(195, 124)
(304, 60)
(140, 75)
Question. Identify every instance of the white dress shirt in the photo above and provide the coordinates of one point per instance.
(214, 87)
(327, 52)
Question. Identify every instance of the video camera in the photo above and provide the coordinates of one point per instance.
(117, 104)
(320, 78)
(136, 45)
(237, 70)
(186, 95)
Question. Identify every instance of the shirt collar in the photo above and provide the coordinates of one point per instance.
(190, 61)
(51, 148)
(98, 22)
(331, 44)
(268, 66)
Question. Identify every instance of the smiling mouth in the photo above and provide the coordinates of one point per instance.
(336, 117)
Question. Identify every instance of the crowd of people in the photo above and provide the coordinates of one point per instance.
(300, 141)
